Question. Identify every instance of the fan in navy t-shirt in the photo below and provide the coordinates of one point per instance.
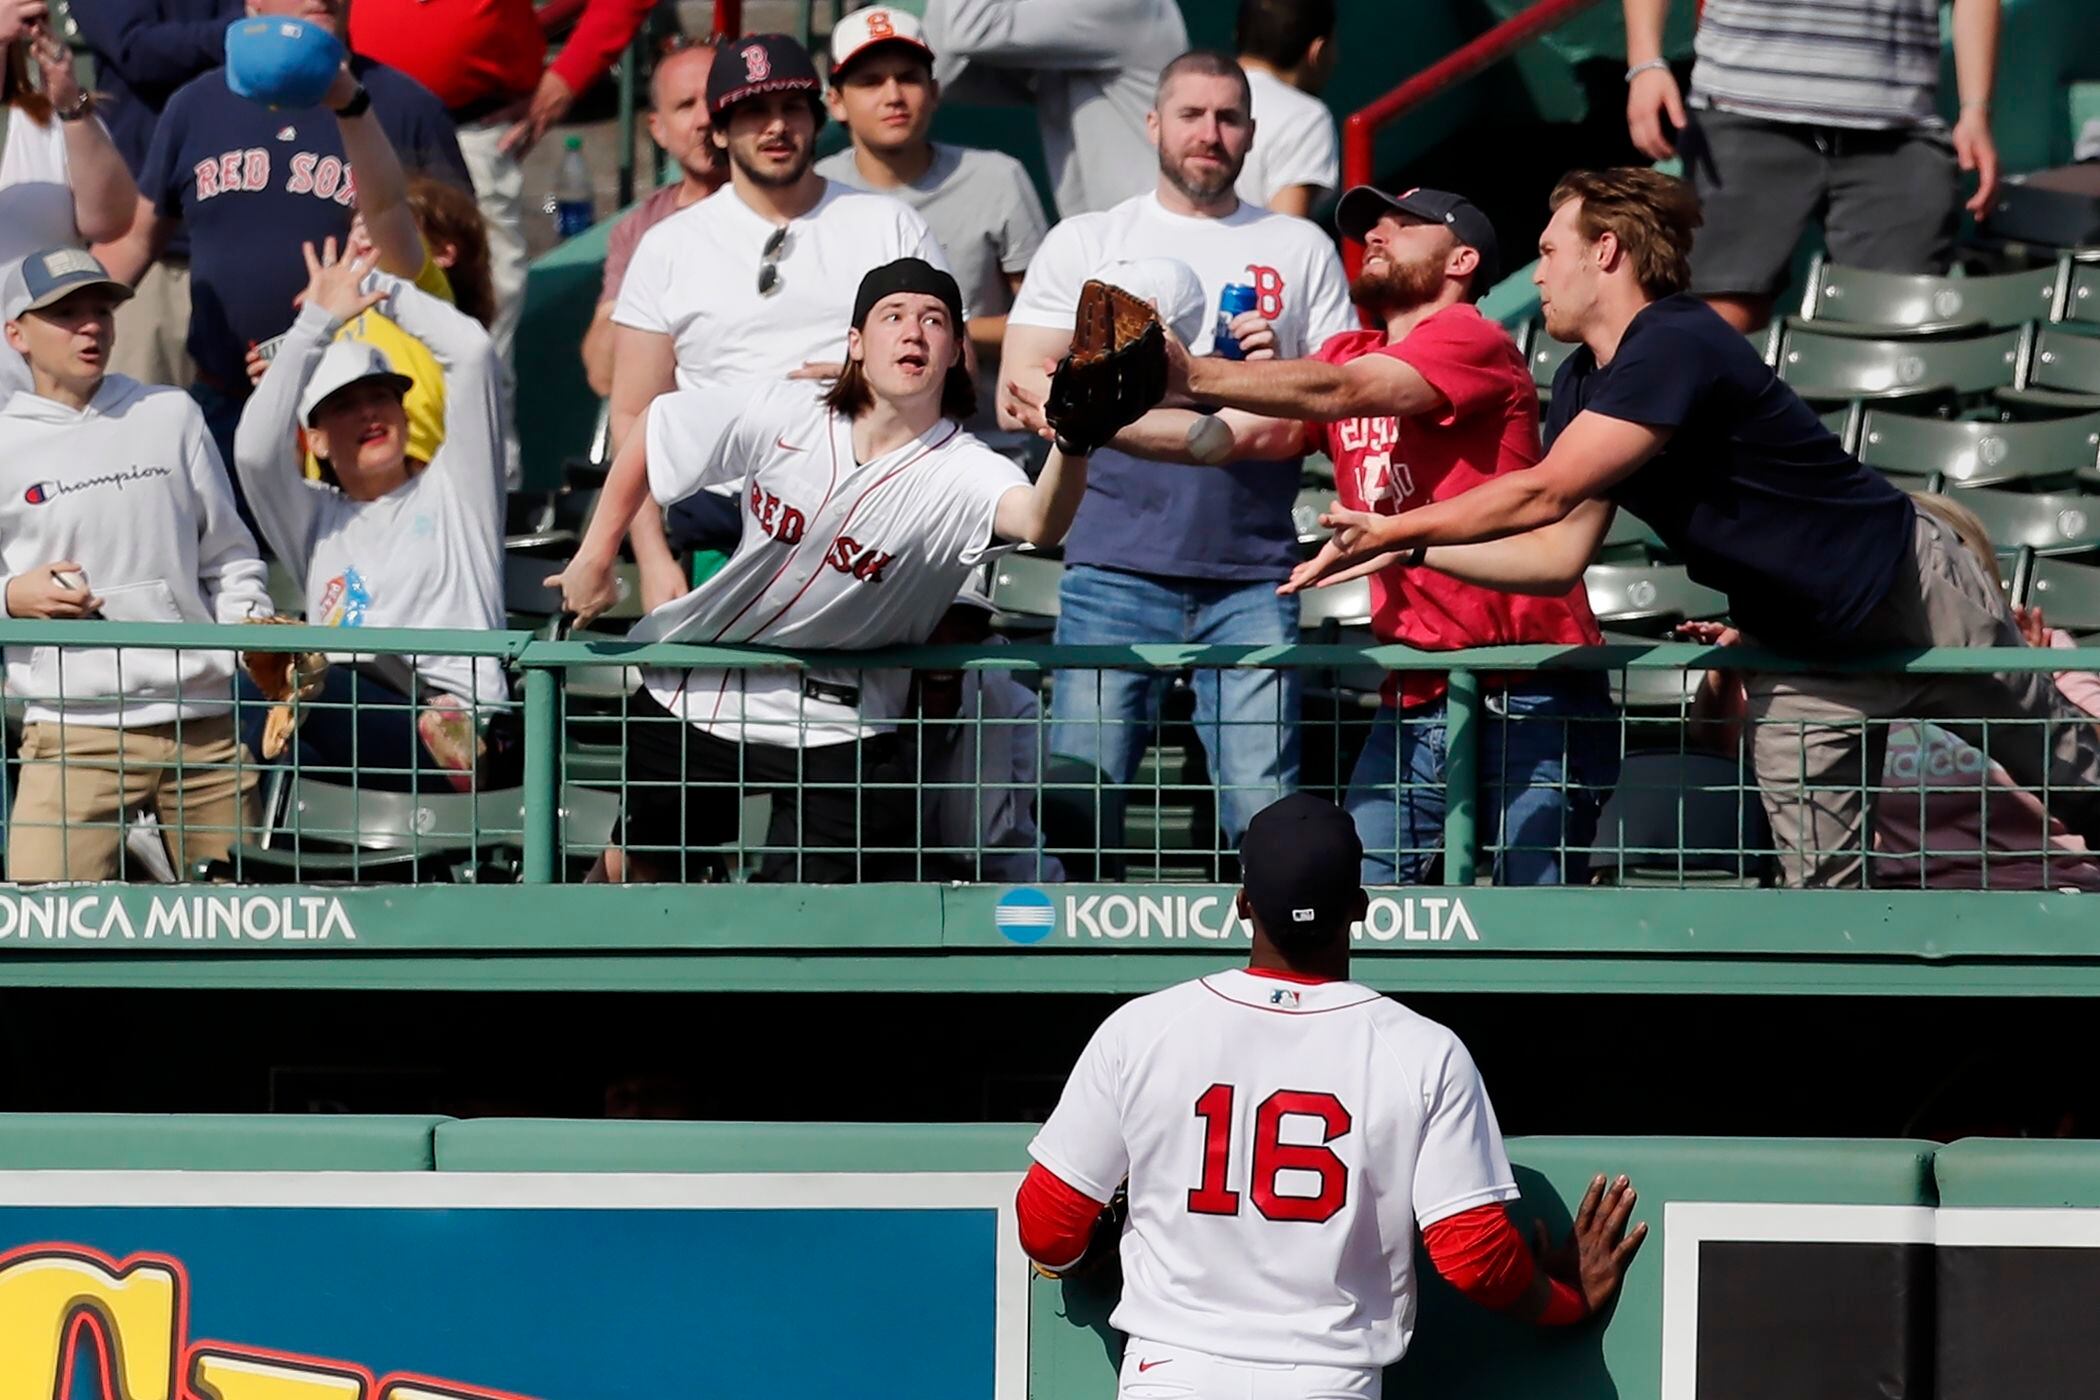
(252, 185)
(1757, 497)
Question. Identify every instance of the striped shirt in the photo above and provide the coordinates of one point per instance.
(1853, 63)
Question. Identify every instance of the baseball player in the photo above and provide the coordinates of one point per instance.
(1284, 1132)
(865, 505)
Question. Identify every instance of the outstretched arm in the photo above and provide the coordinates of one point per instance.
(1593, 453)
(382, 186)
(1368, 386)
(1546, 562)
(104, 194)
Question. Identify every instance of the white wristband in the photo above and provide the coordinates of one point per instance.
(1650, 66)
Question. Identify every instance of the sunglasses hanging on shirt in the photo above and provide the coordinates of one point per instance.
(769, 266)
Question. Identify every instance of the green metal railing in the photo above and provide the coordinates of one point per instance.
(572, 690)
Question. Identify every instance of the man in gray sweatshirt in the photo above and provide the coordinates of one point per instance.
(114, 504)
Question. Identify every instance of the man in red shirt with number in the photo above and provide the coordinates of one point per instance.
(1284, 1132)
(1431, 405)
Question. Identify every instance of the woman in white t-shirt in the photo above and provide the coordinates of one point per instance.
(389, 541)
(62, 181)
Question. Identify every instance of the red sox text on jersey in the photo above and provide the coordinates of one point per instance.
(785, 523)
(307, 172)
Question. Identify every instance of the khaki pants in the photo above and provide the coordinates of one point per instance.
(1818, 759)
(153, 329)
(499, 188)
(81, 786)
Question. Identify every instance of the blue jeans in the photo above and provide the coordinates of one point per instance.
(1246, 720)
(1549, 752)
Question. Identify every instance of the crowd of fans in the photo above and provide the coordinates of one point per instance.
(215, 328)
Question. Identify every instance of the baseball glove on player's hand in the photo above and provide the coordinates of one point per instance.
(286, 677)
(1102, 1250)
(1115, 371)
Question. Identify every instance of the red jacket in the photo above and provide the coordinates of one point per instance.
(474, 51)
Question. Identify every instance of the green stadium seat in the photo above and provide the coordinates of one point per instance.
(2068, 595)
(1681, 818)
(1343, 605)
(1313, 500)
(321, 830)
(1655, 691)
(1546, 355)
(1980, 454)
(1024, 590)
(1855, 301)
(2047, 523)
(2061, 374)
(2081, 304)
(1630, 541)
(1832, 368)
(1649, 598)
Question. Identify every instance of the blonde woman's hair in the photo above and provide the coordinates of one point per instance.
(1967, 528)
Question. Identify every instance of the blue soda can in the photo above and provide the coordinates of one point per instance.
(1235, 298)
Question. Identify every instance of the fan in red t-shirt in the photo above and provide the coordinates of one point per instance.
(1435, 403)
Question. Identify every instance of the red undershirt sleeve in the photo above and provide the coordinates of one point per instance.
(1056, 1218)
(1481, 1255)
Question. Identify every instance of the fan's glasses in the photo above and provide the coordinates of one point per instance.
(769, 267)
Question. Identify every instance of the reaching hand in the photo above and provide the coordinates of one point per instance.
(2032, 629)
(1594, 1258)
(1974, 150)
(336, 284)
(1329, 568)
(1177, 365)
(1713, 634)
(1649, 98)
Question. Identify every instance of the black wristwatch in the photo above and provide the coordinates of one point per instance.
(1417, 555)
(82, 105)
(360, 103)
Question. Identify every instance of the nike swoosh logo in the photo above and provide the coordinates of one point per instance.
(1148, 1365)
(784, 445)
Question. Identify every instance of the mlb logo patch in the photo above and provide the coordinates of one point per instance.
(1284, 996)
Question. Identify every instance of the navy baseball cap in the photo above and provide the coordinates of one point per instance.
(758, 64)
(1361, 209)
(908, 275)
(1301, 863)
(52, 276)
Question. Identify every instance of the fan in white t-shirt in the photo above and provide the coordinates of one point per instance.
(63, 183)
(1287, 48)
(865, 505)
(754, 283)
(1282, 1134)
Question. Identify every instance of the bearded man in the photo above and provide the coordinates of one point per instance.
(1434, 403)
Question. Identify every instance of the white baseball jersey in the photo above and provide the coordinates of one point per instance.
(695, 278)
(1284, 1140)
(834, 554)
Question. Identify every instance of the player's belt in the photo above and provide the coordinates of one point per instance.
(846, 695)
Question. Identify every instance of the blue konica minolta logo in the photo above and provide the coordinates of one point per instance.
(1025, 916)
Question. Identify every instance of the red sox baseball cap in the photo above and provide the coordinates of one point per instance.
(878, 26)
(1361, 209)
(758, 64)
(1301, 863)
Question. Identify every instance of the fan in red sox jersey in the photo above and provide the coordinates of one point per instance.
(865, 506)
(1430, 405)
(1284, 1133)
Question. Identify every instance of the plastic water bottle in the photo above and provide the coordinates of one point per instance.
(573, 213)
(1235, 298)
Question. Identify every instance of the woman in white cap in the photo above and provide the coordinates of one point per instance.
(389, 540)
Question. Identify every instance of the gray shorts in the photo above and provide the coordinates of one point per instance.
(1887, 200)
